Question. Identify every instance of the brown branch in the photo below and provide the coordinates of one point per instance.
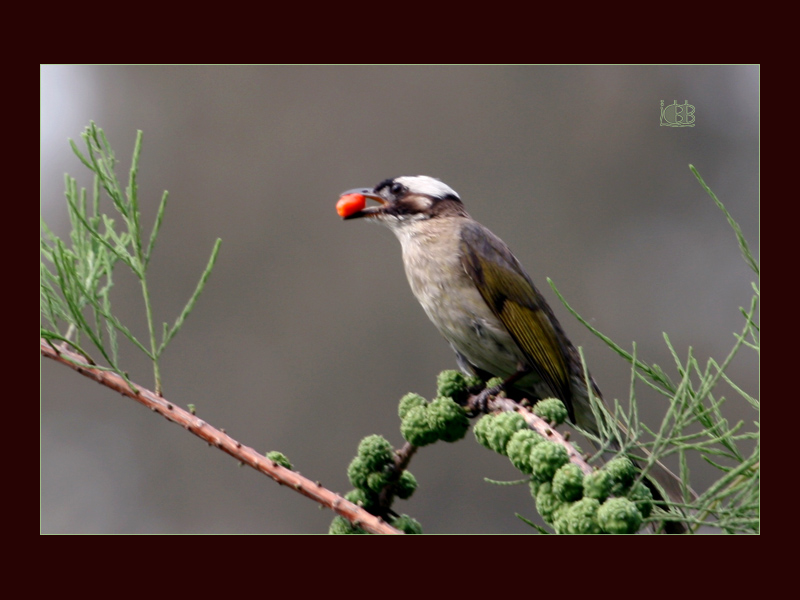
(218, 438)
(403, 456)
(401, 459)
(500, 404)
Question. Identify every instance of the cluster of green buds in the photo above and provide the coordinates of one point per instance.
(423, 422)
(279, 458)
(608, 500)
(369, 473)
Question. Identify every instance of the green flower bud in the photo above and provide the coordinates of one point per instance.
(481, 430)
(363, 498)
(357, 473)
(376, 452)
(406, 524)
(551, 410)
(377, 480)
(519, 449)
(582, 516)
(598, 485)
(341, 526)
(619, 515)
(452, 384)
(473, 381)
(641, 495)
(503, 426)
(408, 402)
(494, 381)
(406, 485)
(547, 503)
(279, 458)
(448, 418)
(568, 483)
(622, 472)
(561, 518)
(416, 429)
(535, 486)
(547, 458)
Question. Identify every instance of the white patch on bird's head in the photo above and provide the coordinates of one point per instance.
(429, 186)
(411, 199)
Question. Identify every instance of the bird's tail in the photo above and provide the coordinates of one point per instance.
(669, 482)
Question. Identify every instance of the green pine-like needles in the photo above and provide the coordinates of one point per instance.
(76, 279)
(694, 422)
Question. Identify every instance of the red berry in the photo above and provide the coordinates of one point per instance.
(349, 204)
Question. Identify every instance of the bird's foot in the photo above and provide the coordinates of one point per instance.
(480, 404)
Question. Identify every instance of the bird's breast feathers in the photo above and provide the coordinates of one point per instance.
(431, 256)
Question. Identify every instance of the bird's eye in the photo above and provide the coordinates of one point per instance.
(396, 188)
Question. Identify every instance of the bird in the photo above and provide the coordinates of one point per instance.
(482, 301)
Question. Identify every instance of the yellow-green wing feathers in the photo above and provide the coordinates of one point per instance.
(513, 298)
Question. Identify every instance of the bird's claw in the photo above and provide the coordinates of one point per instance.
(480, 404)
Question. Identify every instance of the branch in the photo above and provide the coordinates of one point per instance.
(401, 459)
(218, 438)
(499, 404)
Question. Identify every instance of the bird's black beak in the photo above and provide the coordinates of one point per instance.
(369, 211)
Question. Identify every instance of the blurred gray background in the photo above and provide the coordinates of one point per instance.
(307, 334)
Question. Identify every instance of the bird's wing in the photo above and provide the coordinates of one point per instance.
(512, 297)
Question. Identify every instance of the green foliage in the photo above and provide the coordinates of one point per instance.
(357, 473)
(373, 473)
(494, 382)
(694, 423)
(363, 498)
(622, 472)
(369, 470)
(547, 458)
(598, 485)
(409, 401)
(406, 485)
(424, 423)
(743, 246)
(560, 503)
(452, 384)
(519, 449)
(641, 495)
(406, 524)
(448, 419)
(568, 483)
(481, 430)
(576, 503)
(416, 428)
(495, 431)
(376, 452)
(76, 279)
(279, 458)
(547, 502)
(376, 481)
(341, 526)
(581, 517)
(619, 515)
(551, 410)
(535, 484)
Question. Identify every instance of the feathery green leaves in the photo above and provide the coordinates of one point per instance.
(694, 420)
(76, 280)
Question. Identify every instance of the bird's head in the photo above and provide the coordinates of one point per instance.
(406, 199)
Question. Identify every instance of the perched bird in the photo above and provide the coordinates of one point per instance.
(481, 299)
